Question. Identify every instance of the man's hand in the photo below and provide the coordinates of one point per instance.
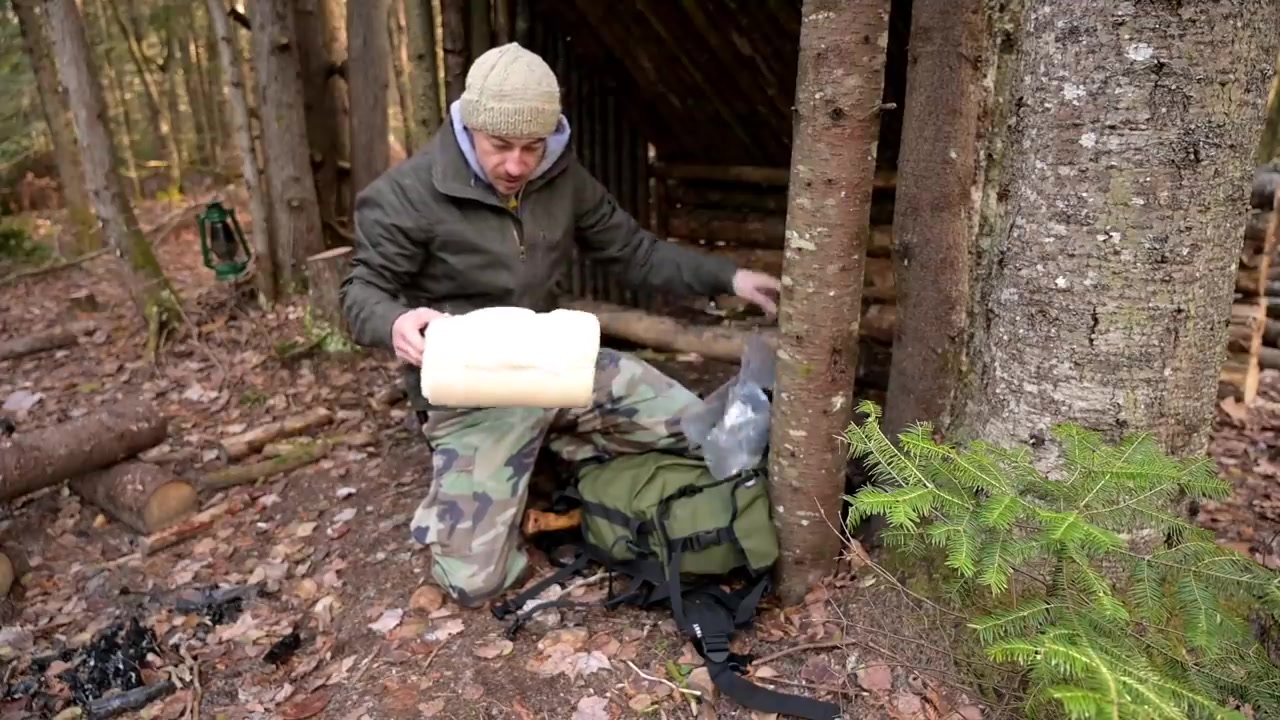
(758, 288)
(406, 333)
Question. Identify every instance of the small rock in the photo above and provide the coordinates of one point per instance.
(426, 599)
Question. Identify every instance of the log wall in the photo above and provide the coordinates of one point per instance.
(1254, 342)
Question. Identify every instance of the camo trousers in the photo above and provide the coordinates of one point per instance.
(482, 461)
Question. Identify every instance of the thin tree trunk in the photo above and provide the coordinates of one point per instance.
(400, 65)
(204, 137)
(367, 75)
(1112, 221)
(155, 299)
(264, 267)
(454, 42)
(159, 117)
(173, 96)
(57, 114)
(122, 132)
(501, 22)
(205, 58)
(479, 29)
(423, 73)
(839, 80)
(298, 233)
(322, 46)
(936, 208)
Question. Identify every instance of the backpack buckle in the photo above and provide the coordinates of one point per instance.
(715, 647)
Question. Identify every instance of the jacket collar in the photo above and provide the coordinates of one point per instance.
(455, 171)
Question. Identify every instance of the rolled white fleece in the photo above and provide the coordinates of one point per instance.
(511, 357)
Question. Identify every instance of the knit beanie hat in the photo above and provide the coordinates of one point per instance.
(511, 92)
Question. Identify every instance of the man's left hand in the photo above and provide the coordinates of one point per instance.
(758, 288)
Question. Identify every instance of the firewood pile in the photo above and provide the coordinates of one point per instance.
(114, 458)
(1254, 331)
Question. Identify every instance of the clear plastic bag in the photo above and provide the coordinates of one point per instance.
(731, 425)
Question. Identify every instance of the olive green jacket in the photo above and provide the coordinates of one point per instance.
(430, 232)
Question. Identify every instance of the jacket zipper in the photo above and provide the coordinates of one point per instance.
(515, 224)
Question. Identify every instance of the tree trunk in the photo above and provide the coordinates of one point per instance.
(173, 96)
(37, 459)
(367, 75)
(322, 47)
(122, 132)
(935, 211)
(326, 272)
(57, 115)
(420, 32)
(204, 139)
(838, 85)
(298, 233)
(453, 40)
(1113, 219)
(400, 64)
(208, 68)
(159, 116)
(501, 22)
(150, 290)
(479, 29)
(229, 53)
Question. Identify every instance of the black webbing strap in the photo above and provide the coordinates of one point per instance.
(711, 625)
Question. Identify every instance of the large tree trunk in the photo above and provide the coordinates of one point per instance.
(453, 40)
(204, 139)
(173, 95)
(229, 53)
(57, 115)
(147, 285)
(295, 212)
(838, 85)
(208, 67)
(420, 31)
(935, 211)
(159, 115)
(322, 48)
(368, 71)
(1112, 220)
(479, 29)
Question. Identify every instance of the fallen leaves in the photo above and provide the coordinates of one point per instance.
(306, 706)
(387, 621)
(592, 707)
(876, 678)
(444, 629)
(495, 649)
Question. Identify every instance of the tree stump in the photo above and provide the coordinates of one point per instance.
(325, 272)
(145, 497)
(37, 459)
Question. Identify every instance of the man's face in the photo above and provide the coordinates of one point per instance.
(508, 161)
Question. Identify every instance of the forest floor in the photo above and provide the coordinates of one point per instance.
(326, 549)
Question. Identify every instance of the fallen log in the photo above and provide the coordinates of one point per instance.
(142, 496)
(251, 441)
(885, 179)
(1271, 333)
(715, 342)
(244, 474)
(754, 230)
(188, 528)
(1266, 180)
(352, 439)
(13, 565)
(33, 460)
(1269, 358)
(38, 343)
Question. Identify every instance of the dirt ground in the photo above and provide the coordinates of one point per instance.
(338, 620)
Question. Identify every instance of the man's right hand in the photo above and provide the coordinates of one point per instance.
(406, 333)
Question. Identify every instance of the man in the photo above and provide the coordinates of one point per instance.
(486, 215)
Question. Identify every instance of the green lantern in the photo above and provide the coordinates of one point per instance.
(222, 239)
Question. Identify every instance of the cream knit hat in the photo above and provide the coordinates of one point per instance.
(511, 92)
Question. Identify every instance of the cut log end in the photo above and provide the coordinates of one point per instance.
(169, 504)
(142, 496)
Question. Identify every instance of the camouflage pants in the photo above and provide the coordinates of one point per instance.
(482, 460)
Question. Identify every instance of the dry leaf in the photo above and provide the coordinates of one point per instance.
(592, 708)
(306, 706)
(575, 638)
(431, 709)
(607, 645)
(628, 651)
(906, 706)
(587, 663)
(388, 621)
(305, 529)
(818, 670)
(970, 712)
(875, 678)
(641, 702)
(764, 671)
(524, 712)
(700, 680)
(444, 630)
(494, 649)
(472, 692)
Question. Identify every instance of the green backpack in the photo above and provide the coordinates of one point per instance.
(664, 521)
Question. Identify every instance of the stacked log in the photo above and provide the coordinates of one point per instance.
(1255, 294)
